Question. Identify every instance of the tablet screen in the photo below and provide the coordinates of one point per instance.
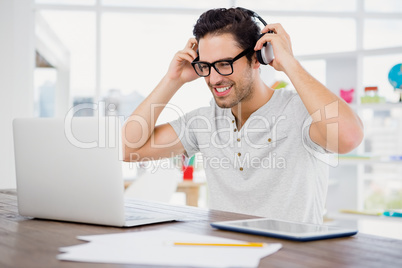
(281, 226)
(284, 229)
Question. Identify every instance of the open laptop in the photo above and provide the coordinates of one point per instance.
(70, 169)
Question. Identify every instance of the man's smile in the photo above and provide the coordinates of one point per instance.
(222, 90)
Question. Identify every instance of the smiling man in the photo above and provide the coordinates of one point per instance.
(262, 148)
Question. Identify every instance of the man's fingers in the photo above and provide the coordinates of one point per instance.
(278, 32)
(191, 48)
(187, 55)
(192, 43)
(275, 27)
(265, 38)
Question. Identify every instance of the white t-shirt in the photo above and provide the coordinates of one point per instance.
(268, 168)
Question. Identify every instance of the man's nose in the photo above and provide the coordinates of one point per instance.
(214, 77)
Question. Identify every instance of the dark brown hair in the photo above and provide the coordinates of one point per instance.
(237, 21)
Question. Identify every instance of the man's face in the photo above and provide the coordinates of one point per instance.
(229, 90)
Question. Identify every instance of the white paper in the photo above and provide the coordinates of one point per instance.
(156, 248)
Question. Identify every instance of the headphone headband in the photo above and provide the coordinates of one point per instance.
(266, 54)
(253, 14)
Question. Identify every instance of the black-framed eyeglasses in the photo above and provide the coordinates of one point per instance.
(223, 67)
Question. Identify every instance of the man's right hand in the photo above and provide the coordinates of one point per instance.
(139, 133)
(180, 68)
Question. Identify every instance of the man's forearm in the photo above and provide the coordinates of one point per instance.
(139, 127)
(326, 108)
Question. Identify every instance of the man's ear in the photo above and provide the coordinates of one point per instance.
(255, 64)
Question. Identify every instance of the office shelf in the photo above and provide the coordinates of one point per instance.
(368, 161)
(377, 106)
(383, 130)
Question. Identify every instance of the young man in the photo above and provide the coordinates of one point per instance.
(260, 147)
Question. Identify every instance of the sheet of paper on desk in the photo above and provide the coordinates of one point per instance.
(156, 248)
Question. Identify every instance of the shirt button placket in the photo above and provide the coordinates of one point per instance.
(238, 155)
(235, 130)
(238, 140)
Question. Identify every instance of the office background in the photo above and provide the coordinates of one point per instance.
(56, 54)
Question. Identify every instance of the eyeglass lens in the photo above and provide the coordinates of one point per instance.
(222, 67)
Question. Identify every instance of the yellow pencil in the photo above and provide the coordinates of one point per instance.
(220, 244)
(370, 213)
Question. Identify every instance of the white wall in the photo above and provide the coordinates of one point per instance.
(49, 46)
(16, 77)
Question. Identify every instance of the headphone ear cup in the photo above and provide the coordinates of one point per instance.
(260, 56)
(266, 54)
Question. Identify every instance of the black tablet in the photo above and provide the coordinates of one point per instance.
(284, 229)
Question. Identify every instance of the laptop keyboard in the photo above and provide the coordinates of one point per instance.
(136, 217)
(133, 214)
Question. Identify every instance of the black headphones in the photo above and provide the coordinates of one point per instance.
(266, 54)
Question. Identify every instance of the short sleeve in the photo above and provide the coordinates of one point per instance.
(304, 120)
(187, 138)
